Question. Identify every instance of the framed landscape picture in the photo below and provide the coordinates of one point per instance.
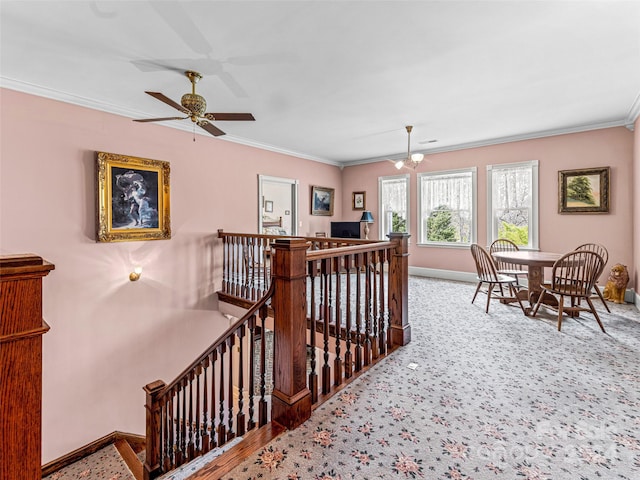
(583, 191)
(322, 200)
(132, 198)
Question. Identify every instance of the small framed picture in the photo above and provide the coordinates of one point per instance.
(583, 191)
(322, 200)
(268, 206)
(359, 200)
(132, 198)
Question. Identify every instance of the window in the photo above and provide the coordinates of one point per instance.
(393, 193)
(512, 203)
(447, 206)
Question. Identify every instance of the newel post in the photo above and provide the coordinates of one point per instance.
(400, 330)
(291, 399)
(152, 461)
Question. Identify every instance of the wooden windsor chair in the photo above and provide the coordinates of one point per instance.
(573, 276)
(488, 274)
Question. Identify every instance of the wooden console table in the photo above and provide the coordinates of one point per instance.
(21, 330)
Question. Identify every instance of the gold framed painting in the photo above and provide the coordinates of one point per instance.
(583, 190)
(322, 200)
(132, 198)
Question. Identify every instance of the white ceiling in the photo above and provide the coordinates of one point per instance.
(337, 81)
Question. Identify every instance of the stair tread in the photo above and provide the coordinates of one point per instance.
(105, 463)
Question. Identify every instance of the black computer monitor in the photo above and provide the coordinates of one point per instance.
(345, 229)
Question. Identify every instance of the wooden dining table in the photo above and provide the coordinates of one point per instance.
(535, 262)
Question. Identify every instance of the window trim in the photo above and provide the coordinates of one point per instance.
(474, 207)
(407, 180)
(534, 233)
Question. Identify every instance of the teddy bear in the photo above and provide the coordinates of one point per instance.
(616, 285)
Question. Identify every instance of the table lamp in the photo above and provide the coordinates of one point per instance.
(366, 218)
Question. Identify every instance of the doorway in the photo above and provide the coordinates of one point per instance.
(277, 205)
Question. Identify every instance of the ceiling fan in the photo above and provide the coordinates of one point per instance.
(412, 160)
(194, 106)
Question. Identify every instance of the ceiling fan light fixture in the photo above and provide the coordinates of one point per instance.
(417, 157)
(195, 103)
(399, 164)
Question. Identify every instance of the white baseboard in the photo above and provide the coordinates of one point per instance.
(629, 296)
(443, 274)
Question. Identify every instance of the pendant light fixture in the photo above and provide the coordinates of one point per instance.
(412, 160)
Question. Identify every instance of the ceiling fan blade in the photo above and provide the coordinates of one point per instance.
(178, 19)
(168, 101)
(262, 58)
(228, 117)
(232, 84)
(161, 65)
(209, 127)
(159, 119)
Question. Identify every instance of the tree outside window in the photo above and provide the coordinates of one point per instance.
(447, 207)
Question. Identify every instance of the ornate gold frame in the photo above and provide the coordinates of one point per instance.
(154, 175)
(600, 204)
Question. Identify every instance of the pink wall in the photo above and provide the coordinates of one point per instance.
(109, 337)
(608, 147)
(636, 206)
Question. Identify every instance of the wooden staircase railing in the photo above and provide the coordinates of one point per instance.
(335, 308)
(204, 407)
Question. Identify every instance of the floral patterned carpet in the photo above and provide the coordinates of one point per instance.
(478, 396)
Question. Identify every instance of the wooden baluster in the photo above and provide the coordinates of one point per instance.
(214, 358)
(230, 433)
(374, 305)
(358, 265)
(205, 408)
(240, 419)
(222, 432)
(337, 363)
(246, 260)
(198, 425)
(183, 424)
(262, 415)
(313, 376)
(234, 265)
(348, 362)
(225, 264)
(190, 424)
(326, 369)
(178, 444)
(382, 328)
(367, 310)
(169, 460)
(252, 379)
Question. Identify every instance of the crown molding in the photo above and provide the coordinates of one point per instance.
(66, 97)
(499, 140)
(634, 113)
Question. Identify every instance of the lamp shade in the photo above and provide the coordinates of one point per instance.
(366, 217)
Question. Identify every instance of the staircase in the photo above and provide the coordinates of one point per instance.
(330, 310)
(120, 456)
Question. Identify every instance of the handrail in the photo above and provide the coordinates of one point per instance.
(339, 251)
(196, 411)
(337, 306)
(223, 338)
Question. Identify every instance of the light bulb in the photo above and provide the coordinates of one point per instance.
(399, 164)
(135, 275)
